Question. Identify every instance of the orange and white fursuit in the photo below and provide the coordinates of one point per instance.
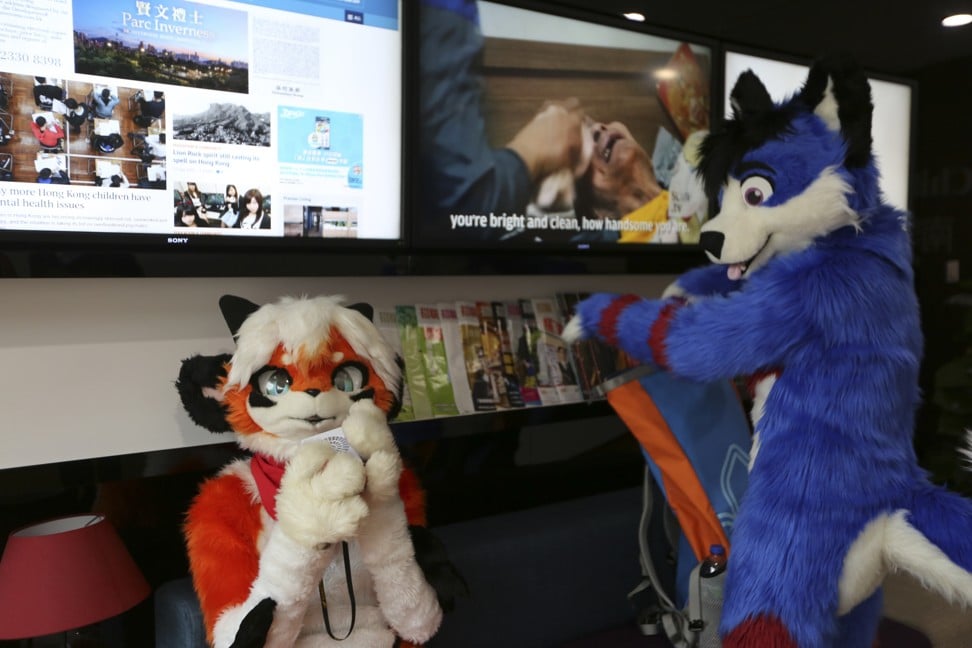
(273, 538)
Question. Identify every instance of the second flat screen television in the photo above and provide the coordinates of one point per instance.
(488, 139)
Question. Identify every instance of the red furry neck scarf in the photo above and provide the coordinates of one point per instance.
(267, 472)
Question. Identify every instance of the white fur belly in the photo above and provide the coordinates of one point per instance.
(761, 392)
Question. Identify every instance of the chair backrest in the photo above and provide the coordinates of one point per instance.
(178, 617)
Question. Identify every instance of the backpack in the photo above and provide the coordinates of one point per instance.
(695, 438)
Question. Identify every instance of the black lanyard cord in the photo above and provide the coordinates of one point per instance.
(354, 607)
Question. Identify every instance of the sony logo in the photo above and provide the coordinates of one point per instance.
(178, 240)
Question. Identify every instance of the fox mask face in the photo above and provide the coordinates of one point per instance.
(786, 174)
(299, 366)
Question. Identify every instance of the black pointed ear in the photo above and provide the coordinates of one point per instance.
(235, 310)
(837, 91)
(197, 385)
(364, 309)
(749, 97)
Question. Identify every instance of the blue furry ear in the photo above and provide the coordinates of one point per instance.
(235, 310)
(838, 91)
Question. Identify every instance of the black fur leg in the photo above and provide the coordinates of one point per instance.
(255, 625)
(441, 574)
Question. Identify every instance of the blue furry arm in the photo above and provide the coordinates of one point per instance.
(608, 317)
(708, 339)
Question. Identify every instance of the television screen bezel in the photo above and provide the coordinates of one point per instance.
(677, 255)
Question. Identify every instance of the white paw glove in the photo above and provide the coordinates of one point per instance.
(674, 290)
(319, 501)
(366, 429)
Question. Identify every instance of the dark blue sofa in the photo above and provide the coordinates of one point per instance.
(541, 577)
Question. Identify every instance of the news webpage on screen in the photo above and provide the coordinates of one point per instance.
(265, 118)
(495, 83)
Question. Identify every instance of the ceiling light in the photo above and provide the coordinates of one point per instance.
(957, 20)
(635, 16)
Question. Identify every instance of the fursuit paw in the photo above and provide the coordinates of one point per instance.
(590, 315)
(366, 429)
(587, 315)
(416, 616)
(319, 502)
(382, 471)
(574, 331)
(675, 289)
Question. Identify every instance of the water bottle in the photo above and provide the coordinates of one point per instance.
(712, 574)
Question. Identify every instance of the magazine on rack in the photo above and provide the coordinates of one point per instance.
(452, 338)
(514, 390)
(386, 320)
(538, 355)
(555, 355)
(473, 356)
(435, 361)
(413, 352)
(523, 359)
(492, 345)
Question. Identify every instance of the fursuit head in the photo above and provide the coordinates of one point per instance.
(314, 539)
(810, 296)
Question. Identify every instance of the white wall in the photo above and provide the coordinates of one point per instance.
(87, 366)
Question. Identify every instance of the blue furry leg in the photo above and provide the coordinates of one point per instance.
(859, 627)
(945, 519)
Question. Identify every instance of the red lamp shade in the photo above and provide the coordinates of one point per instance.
(63, 574)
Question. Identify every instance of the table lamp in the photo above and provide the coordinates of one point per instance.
(63, 574)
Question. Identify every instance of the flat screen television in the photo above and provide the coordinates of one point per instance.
(489, 72)
(892, 121)
(203, 124)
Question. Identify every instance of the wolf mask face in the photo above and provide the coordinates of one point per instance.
(787, 174)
